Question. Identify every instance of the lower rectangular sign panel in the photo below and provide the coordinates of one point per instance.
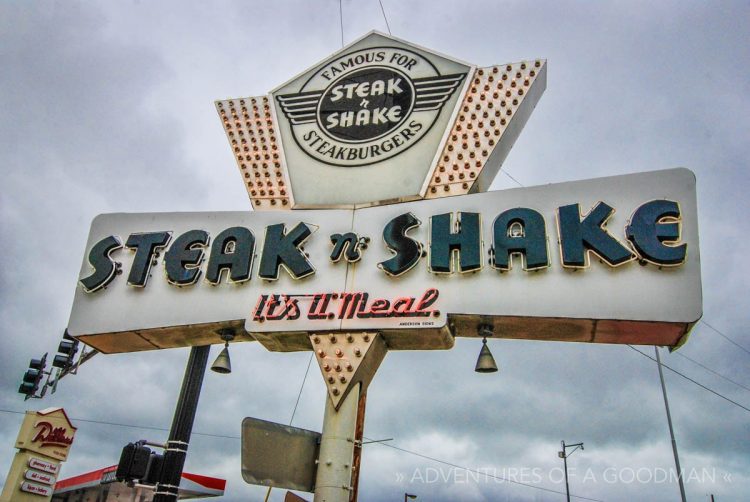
(279, 455)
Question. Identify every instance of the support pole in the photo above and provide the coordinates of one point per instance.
(182, 426)
(359, 432)
(333, 481)
(669, 421)
(565, 462)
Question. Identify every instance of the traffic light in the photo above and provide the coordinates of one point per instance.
(154, 469)
(138, 462)
(33, 376)
(134, 461)
(67, 351)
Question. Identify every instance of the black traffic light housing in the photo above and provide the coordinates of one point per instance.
(33, 377)
(139, 463)
(67, 351)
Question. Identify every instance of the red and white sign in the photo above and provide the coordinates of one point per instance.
(39, 477)
(41, 465)
(49, 435)
(45, 491)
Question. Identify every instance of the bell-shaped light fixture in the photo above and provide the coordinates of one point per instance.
(485, 362)
(222, 364)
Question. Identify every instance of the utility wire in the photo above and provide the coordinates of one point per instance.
(341, 18)
(690, 379)
(386, 19)
(712, 371)
(304, 379)
(725, 336)
(511, 177)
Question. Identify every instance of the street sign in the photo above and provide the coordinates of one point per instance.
(279, 455)
(47, 432)
(41, 465)
(35, 489)
(39, 477)
(44, 440)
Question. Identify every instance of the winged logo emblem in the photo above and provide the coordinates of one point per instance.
(431, 94)
(367, 106)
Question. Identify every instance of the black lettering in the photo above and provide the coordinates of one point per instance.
(145, 245)
(280, 248)
(309, 135)
(407, 134)
(520, 231)
(231, 250)
(182, 260)
(407, 251)
(105, 267)
(654, 231)
(578, 236)
(466, 241)
(349, 242)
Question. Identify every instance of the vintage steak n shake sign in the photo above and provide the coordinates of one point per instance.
(368, 175)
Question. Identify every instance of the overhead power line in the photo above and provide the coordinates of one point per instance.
(691, 380)
(341, 18)
(386, 19)
(710, 370)
(725, 336)
(505, 171)
(302, 386)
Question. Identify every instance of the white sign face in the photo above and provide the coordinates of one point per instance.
(39, 477)
(375, 100)
(368, 105)
(45, 491)
(612, 260)
(42, 465)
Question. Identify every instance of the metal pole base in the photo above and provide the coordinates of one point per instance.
(333, 481)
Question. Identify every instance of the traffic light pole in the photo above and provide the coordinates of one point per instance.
(565, 462)
(182, 426)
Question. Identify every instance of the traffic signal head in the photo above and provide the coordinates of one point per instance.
(134, 462)
(33, 376)
(67, 351)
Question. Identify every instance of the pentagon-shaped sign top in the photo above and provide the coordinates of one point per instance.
(379, 121)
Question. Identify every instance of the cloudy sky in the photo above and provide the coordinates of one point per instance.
(109, 108)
